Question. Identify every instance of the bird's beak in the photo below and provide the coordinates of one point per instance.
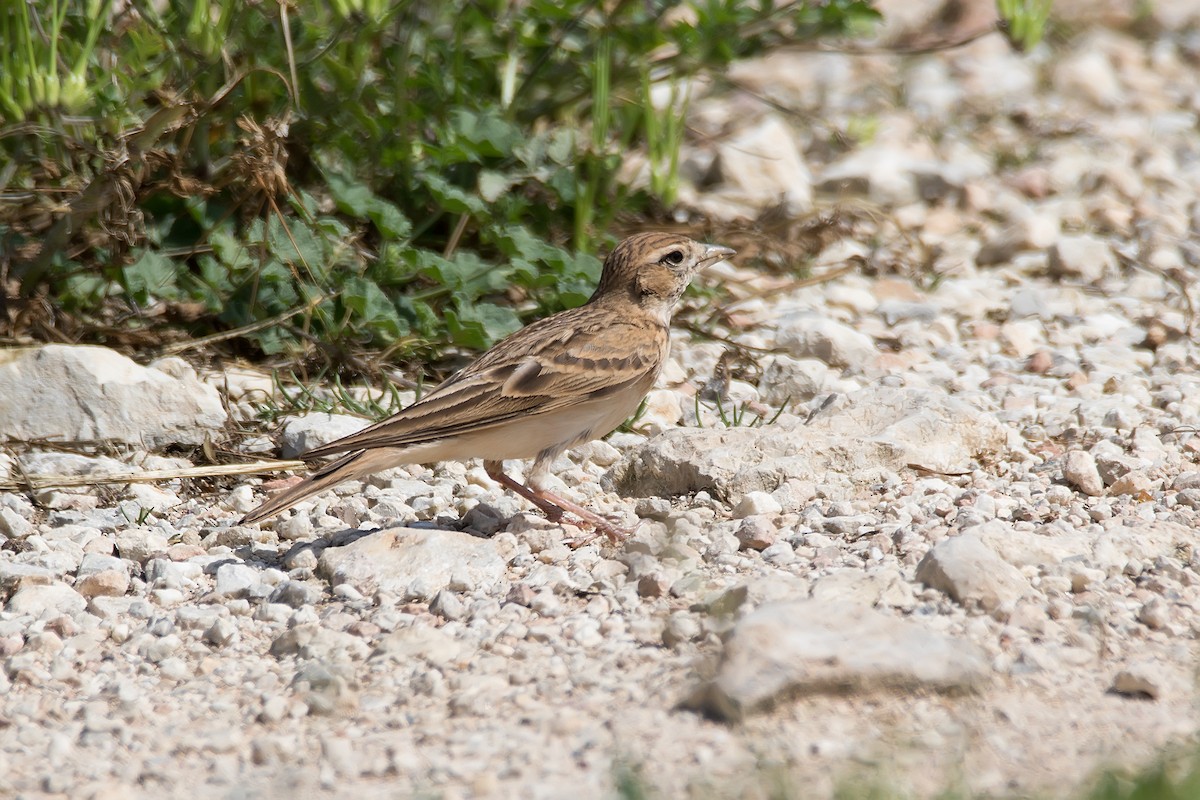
(714, 253)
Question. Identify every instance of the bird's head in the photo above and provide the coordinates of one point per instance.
(653, 269)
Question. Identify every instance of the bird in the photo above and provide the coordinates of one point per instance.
(557, 383)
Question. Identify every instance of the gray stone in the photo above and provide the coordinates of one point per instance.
(222, 632)
(1079, 470)
(855, 437)
(38, 599)
(106, 583)
(805, 647)
(236, 580)
(313, 641)
(303, 433)
(413, 563)
(13, 525)
(882, 586)
(792, 380)
(968, 570)
(1083, 256)
(811, 335)
(762, 165)
(111, 399)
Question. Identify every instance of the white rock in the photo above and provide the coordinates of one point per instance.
(1083, 256)
(793, 380)
(302, 433)
(807, 646)
(413, 563)
(810, 335)
(753, 503)
(236, 580)
(663, 411)
(764, 165)
(857, 436)
(39, 599)
(1079, 470)
(13, 525)
(111, 399)
(968, 570)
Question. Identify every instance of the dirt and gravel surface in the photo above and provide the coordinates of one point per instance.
(965, 555)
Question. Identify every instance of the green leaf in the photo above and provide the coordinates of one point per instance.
(152, 275)
(451, 197)
(480, 325)
(488, 132)
(294, 242)
(372, 309)
(421, 316)
(231, 252)
(517, 241)
(357, 200)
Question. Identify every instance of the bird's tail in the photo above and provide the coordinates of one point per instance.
(348, 467)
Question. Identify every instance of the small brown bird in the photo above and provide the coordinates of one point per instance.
(561, 381)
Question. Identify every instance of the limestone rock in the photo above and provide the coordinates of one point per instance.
(112, 399)
(855, 437)
(413, 563)
(803, 647)
(763, 163)
(968, 570)
(303, 433)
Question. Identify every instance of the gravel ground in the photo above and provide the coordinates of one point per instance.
(965, 554)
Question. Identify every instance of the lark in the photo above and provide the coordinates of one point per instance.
(556, 383)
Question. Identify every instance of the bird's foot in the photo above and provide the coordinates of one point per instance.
(553, 506)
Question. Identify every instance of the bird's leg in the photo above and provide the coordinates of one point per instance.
(495, 471)
(554, 505)
(615, 533)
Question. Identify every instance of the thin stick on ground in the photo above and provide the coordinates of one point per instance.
(33, 482)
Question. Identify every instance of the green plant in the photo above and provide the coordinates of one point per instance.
(330, 395)
(1024, 21)
(741, 415)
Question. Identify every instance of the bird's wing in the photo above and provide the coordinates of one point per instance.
(542, 368)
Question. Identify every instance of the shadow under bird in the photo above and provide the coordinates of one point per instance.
(556, 383)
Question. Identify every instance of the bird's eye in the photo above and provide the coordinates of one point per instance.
(674, 257)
